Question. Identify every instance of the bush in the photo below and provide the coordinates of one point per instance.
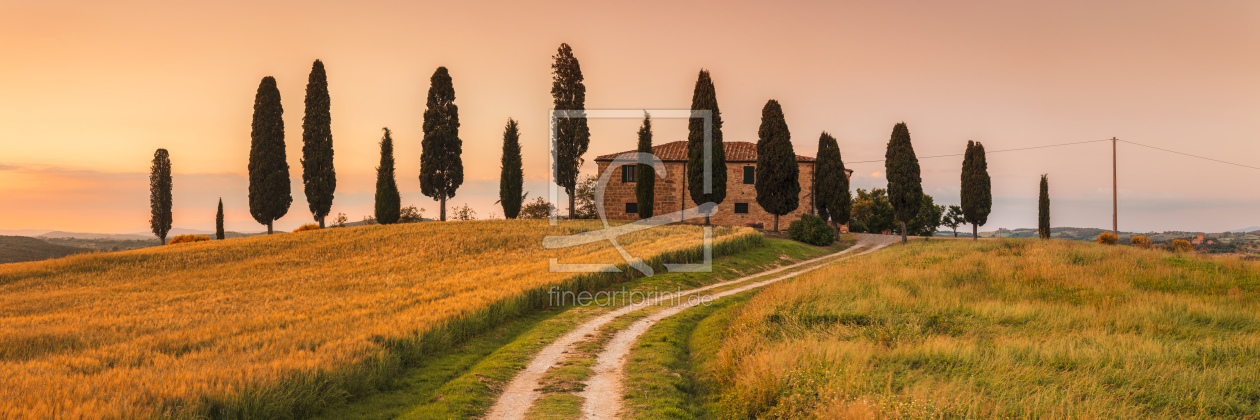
(410, 214)
(306, 227)
(757, 225)
(1180, 245)
(856, 226)
(812, 230)
(538, 209)
(188, 238)
(1107, 238)
(1140, 242)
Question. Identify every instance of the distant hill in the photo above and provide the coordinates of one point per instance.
(84, 235)
(1245, 230)
(24, 232)
(1072, 233)
(135, 236)
(23, 248)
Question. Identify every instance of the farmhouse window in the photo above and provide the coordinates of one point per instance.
(632, 208)
(741, 208)
(750, 175)
(627, 173)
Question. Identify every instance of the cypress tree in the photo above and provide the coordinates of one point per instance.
(441, 164)
(704, 97)
(778, 181)
(831, 188)
(269, 191)
(388, 201)
(511, 177)
(1043, 209)
(318, 175)
(160, 194)
(976, 196)
(573, 135)
(905, 187)
(218, 222)
(645, 177)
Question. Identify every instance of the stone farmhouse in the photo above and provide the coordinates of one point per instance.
(740, 207)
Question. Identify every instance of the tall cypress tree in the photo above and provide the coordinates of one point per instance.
(831, 188)
(160, 194)
(318, 175)
(218, 222)
(976, 195)
(905, 187)
(269, 191)
(704, 97)
(645, 176)
(511, 177)
(388, 201)
(1043, 209)
(573, 135)
(778, 181)
(441, 164)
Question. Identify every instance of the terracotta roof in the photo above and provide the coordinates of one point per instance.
(736, 151)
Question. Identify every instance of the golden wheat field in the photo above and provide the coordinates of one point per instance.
(998, 329)
(161, 331)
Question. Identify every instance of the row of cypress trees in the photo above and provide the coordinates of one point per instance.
(441, 164)
(161, 198)
(777, 172)
(572, 136)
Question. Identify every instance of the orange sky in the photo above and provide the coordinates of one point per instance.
(89, 89)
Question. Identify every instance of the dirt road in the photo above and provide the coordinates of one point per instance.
(603, 397)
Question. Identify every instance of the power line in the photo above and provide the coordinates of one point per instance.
(1190, 155)
(996, 151)
(1076, 143)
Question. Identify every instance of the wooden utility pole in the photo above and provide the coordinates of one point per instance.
(1115, 226)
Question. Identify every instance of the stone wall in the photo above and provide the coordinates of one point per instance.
(671, 189)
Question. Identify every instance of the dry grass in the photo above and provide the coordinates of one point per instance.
(1024, 329)
(270, 326)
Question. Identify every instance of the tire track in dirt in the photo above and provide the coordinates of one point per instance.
(603, 396)
(522, 391)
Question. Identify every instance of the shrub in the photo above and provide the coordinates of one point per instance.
(306, 227)
(812, 230)
(1107, 238)
(1140, 242)
(411, 214)
(856, 226)
(1180, 245)
(463, 213)
(188, 238)
(757, 225)
(538, 209)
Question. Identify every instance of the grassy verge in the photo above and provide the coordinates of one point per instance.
(476, 383)
(1009, 328)
(660, 379)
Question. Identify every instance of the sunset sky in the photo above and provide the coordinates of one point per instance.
(88, 90)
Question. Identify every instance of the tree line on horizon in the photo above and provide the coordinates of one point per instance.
(776, 181)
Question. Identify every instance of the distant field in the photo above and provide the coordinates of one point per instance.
(1006, 329)
(265, 326)
(22, 248)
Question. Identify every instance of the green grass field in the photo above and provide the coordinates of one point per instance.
(1009, 328)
